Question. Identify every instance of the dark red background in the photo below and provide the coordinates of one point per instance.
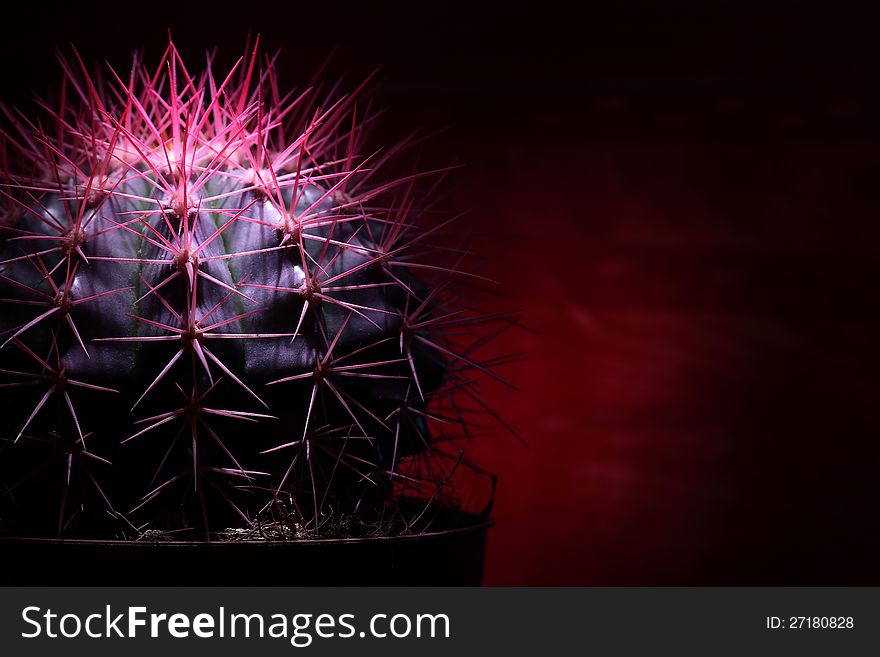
(685, 204)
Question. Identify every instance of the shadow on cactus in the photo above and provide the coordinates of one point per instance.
(220, 309)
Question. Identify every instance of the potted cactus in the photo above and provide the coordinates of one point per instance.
(230, 333)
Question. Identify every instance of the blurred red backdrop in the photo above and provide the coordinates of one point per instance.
(684, 203)
(699, 394)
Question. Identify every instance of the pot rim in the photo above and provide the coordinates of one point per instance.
(483, 525)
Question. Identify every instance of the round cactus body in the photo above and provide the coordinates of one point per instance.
(217, 308)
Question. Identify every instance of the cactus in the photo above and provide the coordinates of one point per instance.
(220, 307)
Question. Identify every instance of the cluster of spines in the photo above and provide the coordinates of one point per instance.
(169, 166)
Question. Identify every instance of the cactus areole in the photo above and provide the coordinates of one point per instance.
(223, 315)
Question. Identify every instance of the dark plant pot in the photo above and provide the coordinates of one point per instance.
(452, 557)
